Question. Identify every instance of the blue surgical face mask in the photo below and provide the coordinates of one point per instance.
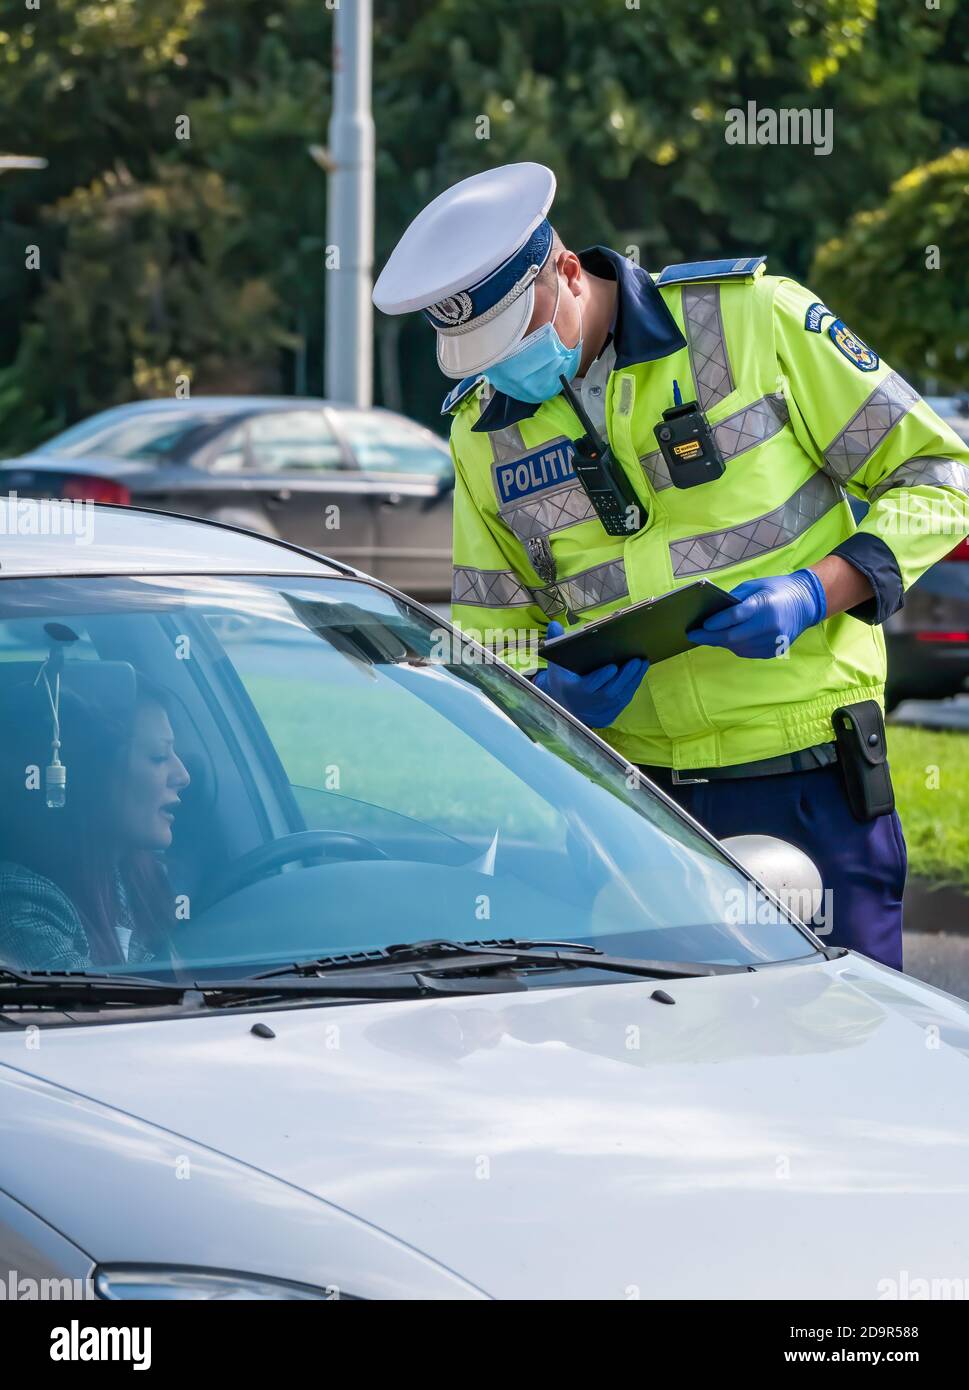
(532, 371)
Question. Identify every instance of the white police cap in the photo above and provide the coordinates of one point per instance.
(470, 260)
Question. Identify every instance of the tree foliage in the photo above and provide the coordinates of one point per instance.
(626, 99)
(151, 289)
(900, 273)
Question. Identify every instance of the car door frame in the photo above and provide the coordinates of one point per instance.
(268, 491)
(389, 491)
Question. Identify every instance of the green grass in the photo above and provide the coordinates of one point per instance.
(931, 775)
(394, 752)
(386, 747)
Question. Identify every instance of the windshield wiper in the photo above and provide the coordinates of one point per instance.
(463, 957)
(62, 988)
(524, 952)
(366, 984)
(449, 968)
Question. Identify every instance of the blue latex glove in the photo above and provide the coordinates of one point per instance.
(598, 698)
(771, 615)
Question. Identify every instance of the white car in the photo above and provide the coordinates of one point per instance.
(336, 962)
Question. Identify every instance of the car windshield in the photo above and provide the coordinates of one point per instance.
(136, 435)
(227, 773)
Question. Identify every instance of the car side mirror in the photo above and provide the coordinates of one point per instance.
(783, 869)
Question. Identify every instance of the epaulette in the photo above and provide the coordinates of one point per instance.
(457, 393)
(729, 269)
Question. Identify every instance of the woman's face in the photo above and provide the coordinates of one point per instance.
(152, 777)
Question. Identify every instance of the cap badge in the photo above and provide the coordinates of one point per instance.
(457, 308)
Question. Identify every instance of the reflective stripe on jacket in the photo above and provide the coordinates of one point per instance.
(803, 413)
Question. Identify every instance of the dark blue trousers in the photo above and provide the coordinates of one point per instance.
(862, 863)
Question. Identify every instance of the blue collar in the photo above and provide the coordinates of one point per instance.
(645, 330)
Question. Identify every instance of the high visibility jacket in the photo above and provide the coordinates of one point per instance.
(803, 413)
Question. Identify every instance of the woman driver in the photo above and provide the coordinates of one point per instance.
(82, 885)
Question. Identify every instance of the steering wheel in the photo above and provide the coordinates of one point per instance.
(303, 844)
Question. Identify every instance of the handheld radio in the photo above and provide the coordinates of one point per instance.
(601, 478)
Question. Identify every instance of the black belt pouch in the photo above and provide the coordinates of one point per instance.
(863, 754)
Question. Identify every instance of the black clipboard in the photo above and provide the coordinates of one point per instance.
(655, 628)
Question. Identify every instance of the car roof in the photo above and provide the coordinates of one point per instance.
(229, 405)
(174, 404)
(43, 536)
(949, 405)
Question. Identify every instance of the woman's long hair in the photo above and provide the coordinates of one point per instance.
(79, 846)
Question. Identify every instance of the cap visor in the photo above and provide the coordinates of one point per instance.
(462, 354)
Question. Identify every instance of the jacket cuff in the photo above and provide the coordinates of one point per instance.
(874, 559)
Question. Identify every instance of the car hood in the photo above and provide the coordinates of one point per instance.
(802, 1131)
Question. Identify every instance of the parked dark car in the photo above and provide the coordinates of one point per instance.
(368, 487)
(928, 639)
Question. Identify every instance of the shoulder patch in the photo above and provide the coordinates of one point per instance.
(815, 316)
(858, 353)
(458, 393)
(729, 269)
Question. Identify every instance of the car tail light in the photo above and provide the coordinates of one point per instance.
(961, 551)
(942, 636)
(86, 488)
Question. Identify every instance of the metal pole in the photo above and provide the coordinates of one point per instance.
(348, 363)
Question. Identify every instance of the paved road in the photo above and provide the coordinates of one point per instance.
(939, 958)
(934, 714)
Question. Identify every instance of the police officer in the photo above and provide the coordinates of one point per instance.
(801, 413)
